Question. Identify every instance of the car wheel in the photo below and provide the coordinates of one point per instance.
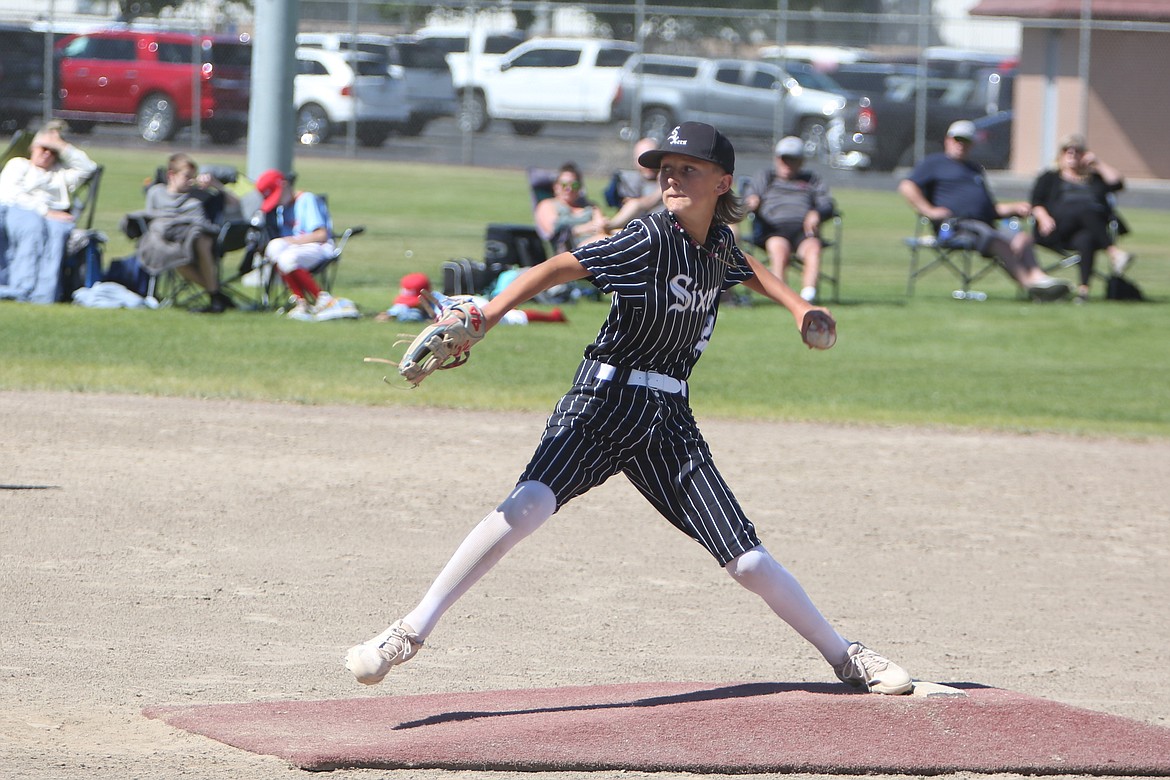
(226, 134)
(373, 135)
(415, 125)
(527, 128)
(313, 125)
(657, 122)
(473, 113)
(156, 118)
(80, 128)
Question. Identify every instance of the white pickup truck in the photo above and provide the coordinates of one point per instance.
(471, 52)
(547, 80)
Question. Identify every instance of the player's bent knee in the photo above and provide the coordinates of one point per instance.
(528, 506)
(749, 566)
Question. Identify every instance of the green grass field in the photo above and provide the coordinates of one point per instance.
(1004, 363)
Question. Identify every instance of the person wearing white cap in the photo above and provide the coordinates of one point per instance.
(789, 204)
(949, 187)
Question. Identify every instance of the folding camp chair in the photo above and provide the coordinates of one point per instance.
(830, 271)
(274, 293)
(169, 287)
(956, 252)
(18, 146)
(540, 186)
(82, 264)
(1068, 258)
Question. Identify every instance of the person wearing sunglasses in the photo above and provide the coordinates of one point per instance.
(568, 219)
(1073, 210)
(36, 195)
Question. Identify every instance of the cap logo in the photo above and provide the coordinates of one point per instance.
(674, 140)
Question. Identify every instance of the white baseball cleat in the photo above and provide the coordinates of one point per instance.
(373, 659)
(863, 667)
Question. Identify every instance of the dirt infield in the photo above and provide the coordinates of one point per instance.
(168, 551)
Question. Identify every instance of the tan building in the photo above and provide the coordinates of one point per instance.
(1122, 109)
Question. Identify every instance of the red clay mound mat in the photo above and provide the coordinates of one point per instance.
(689, 727)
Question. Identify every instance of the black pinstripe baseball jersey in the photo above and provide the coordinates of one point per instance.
(666, 291)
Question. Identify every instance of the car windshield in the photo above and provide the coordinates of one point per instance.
(369, 67)
(235, 55)
(422, 56)
(810, 78)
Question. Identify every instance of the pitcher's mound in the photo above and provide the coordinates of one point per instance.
(691, 727)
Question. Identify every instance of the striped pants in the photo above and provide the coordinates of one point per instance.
(603, 426)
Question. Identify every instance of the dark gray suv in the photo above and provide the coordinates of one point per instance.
(22, 76)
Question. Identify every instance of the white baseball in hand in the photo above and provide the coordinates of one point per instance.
(820, 332)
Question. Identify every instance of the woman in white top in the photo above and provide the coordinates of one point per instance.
(36, 194)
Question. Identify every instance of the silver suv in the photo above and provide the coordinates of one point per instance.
(740, 97)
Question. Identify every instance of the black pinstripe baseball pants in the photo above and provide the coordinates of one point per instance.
(602, 427)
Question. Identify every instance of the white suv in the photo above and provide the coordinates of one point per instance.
(422, 63)
(549, 80)
(333, 88)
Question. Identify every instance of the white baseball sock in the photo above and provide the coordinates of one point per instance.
(763, 575)
(521, 513)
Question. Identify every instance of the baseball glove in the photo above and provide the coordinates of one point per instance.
(446, 343)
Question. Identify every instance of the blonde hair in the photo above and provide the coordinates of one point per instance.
(1073, 141)
(729, 209)
(180, 161)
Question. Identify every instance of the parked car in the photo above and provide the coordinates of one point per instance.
(22, 76)
(741, 97)
(470, 55)
(331, 89)
(889, 105)
(150, 78)
(422, 64)
(548, 80)
(993, 140)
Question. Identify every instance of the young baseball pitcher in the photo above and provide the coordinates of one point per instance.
(628, 409)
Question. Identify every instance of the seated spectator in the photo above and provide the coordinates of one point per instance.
(303, 242)
(789, 203)
(181, 216)
(1072, 208)
(567, 220)
(948, 187)
(646, 199)
(36, 195)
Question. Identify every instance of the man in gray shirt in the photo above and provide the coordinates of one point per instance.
(789, 204)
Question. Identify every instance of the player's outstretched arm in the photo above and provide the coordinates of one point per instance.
(559, 269)
(817, 327)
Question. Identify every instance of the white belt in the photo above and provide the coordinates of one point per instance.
(651, 379)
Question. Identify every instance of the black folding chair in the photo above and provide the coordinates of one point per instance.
(956, 253)
(830, 271)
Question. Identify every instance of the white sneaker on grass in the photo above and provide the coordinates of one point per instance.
(330, 308)
(300, 310)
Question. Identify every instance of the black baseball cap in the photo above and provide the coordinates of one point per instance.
(694, 139)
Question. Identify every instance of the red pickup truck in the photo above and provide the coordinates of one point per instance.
(152, 79)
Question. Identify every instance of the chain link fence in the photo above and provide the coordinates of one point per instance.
(909, 67)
